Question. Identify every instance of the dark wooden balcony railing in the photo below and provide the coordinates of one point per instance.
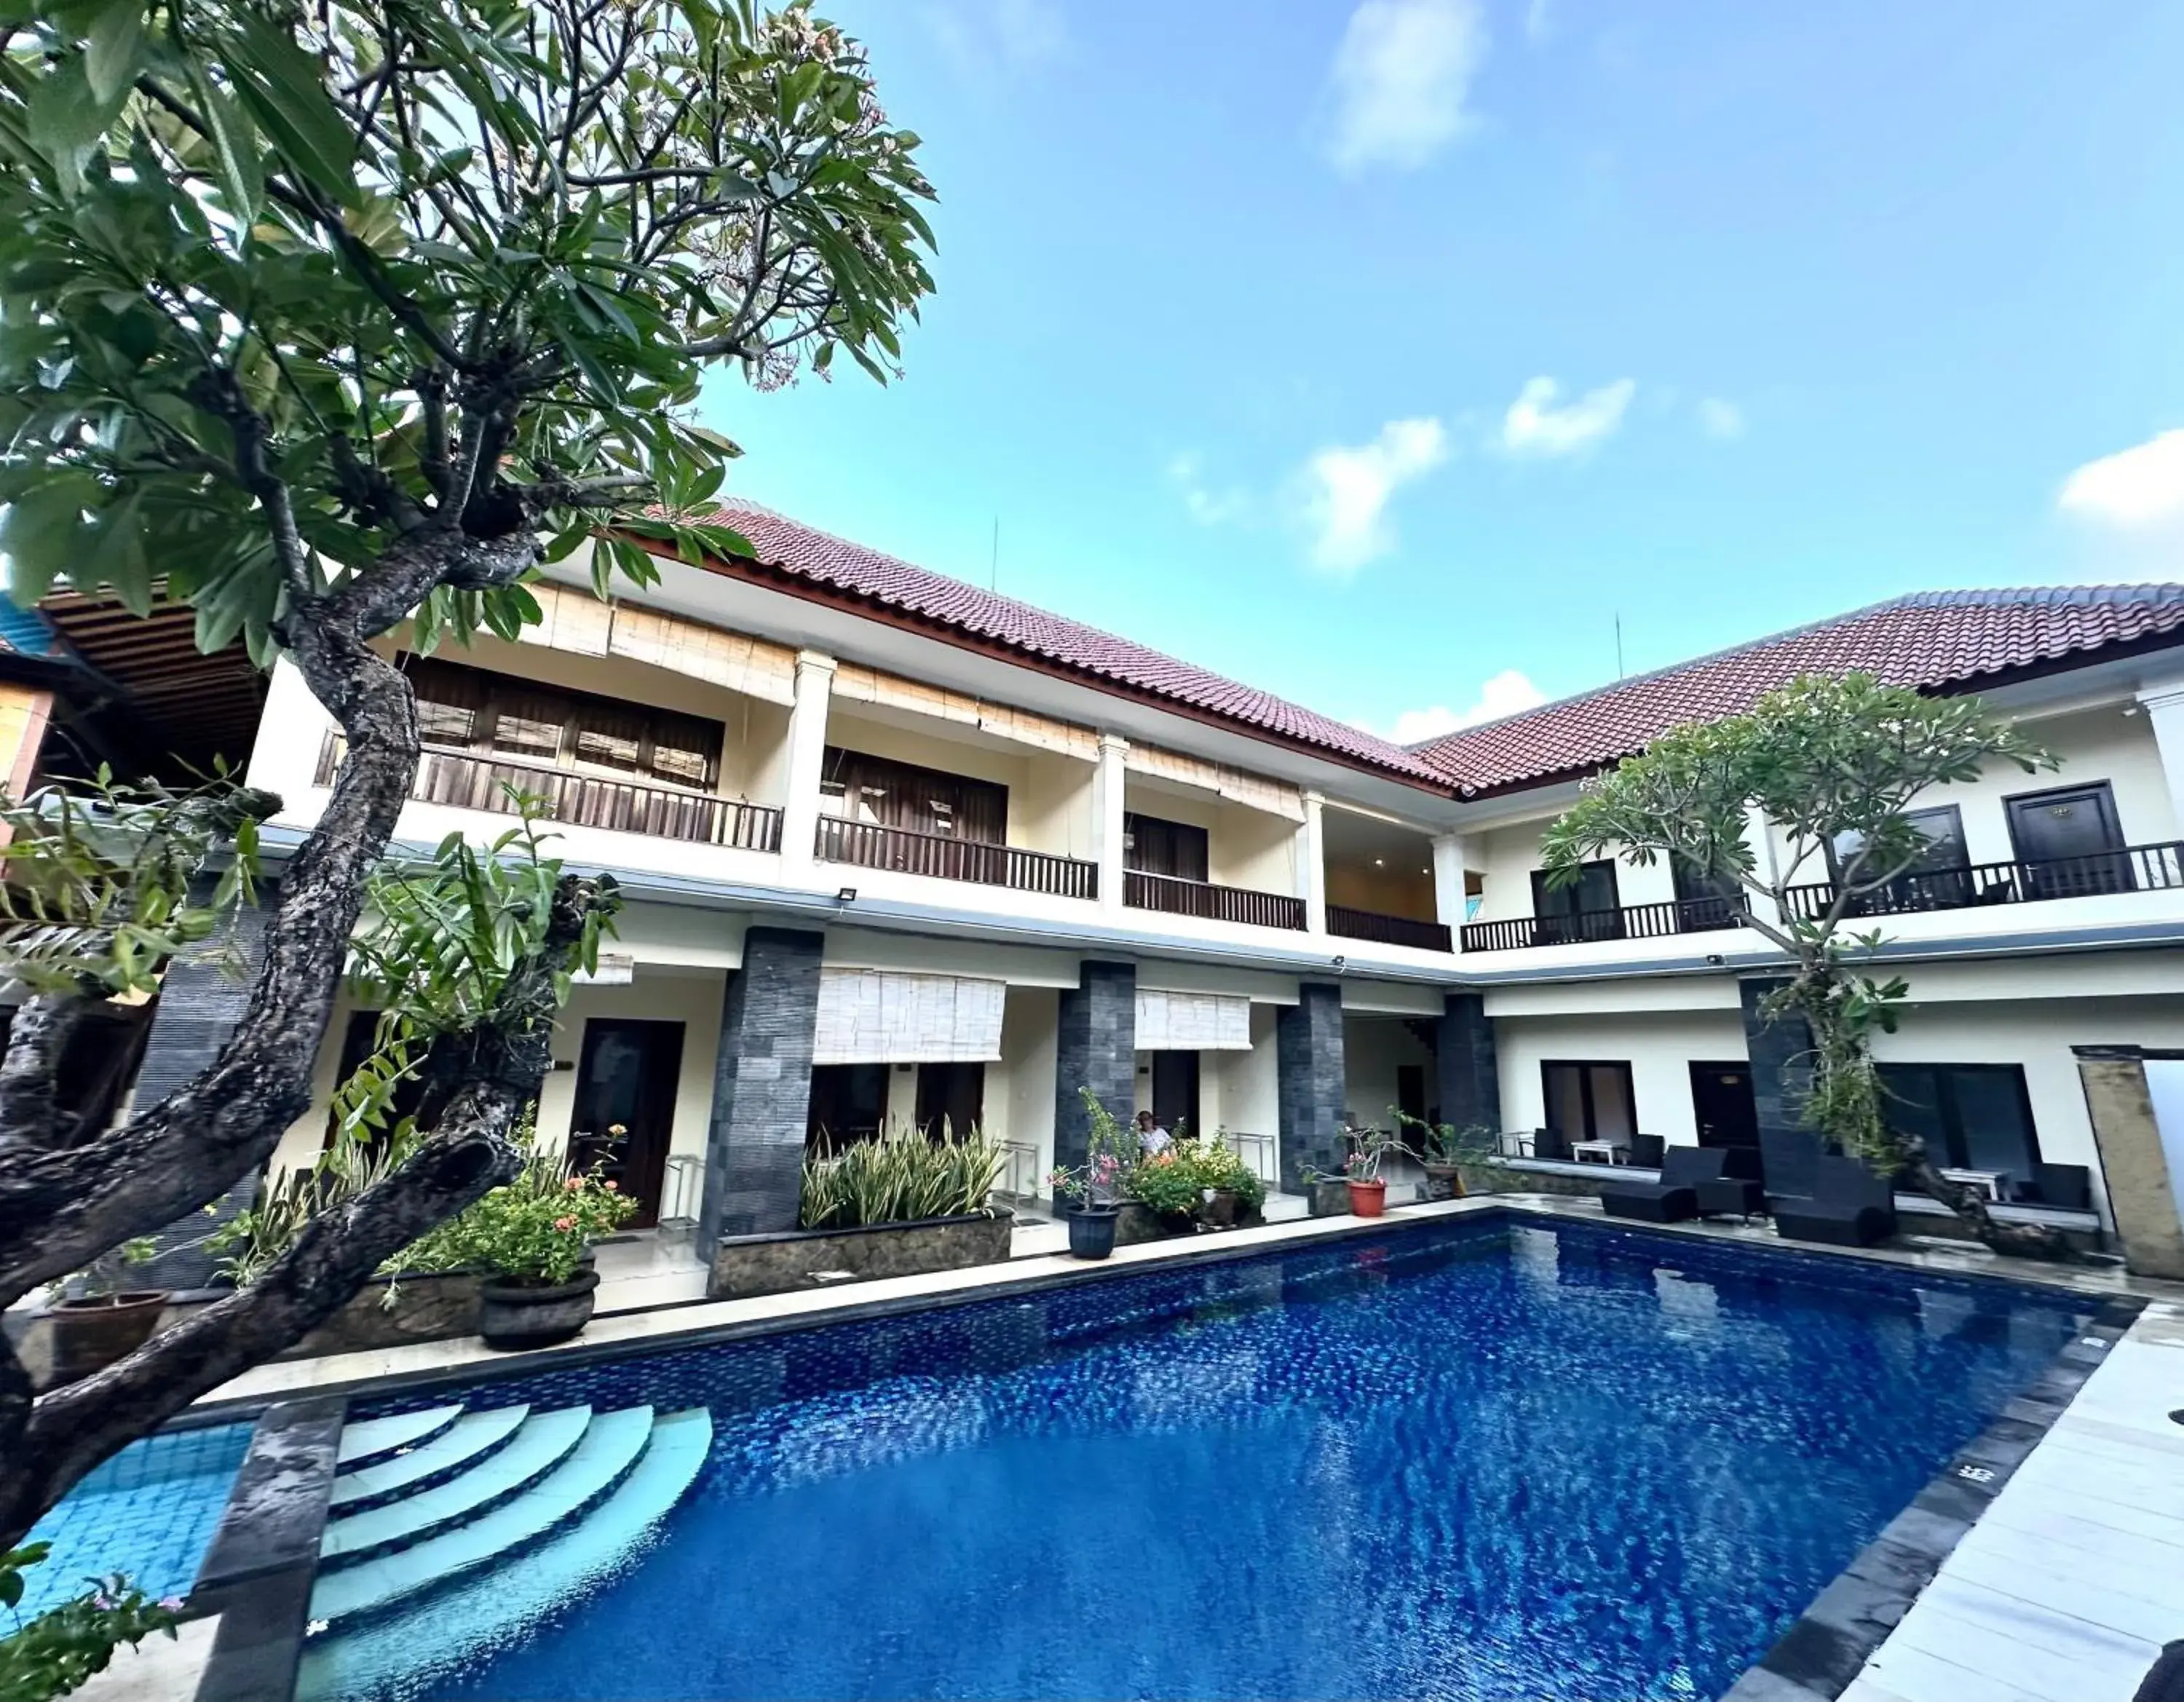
(1625, 922)
(1181, 897)
(469, 781)
(1387, 931)
(2132, 868)
(901, 848)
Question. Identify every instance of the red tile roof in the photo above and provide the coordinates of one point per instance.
(871, 578)
(1933, 640)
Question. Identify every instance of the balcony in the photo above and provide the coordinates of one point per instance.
(2131, 868)
(1181, 897)
(1388, 930)
(980, 862)
(1624, 922)
(469, 782)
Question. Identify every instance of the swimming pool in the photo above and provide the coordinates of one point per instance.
(1485, 1460)
(150, 1512)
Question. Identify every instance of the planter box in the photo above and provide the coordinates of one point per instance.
(1329, 1199)
(748, 1265)
(426, 1309)
(1139, 1222)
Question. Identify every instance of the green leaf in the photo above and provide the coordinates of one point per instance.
(285, 89)
(235, 146)
(38, 533)
(114, 48)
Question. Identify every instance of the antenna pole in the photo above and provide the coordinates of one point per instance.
(1619, 644)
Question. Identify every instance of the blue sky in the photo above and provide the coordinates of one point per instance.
(1381, 355)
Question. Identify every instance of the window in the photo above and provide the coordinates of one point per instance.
(472, 710)
(1588, 909)
(1591, 1102)
(1703, 903)
(1969, 1117)
(1152, 846)
(921, 800)
(1938, 879)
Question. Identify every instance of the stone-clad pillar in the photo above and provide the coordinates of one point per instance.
(761, 1088)
(1309, 1084)
(202, 998)
(1469, 1069)
(2142, 1194)
(1096, 1047)
(1781, 1051)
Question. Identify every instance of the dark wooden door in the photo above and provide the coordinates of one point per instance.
(952, 1099)
(1726, 1114)
(627, 1076)
(2068, 842)
(1175, 1093)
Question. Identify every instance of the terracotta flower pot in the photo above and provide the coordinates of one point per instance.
(1368, 1198)
(516, 1312)
(92, 1332)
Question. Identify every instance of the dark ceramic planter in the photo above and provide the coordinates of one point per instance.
(1444, 1181)
(1368, 1198)
(1092, 1231)
(513, 1314)
(92, 1333)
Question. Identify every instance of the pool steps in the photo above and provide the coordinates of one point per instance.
(586, 1486)
(532, 1449)
(424, 1636)
(470, 1439)
(380, 1438)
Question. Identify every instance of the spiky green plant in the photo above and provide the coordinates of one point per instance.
(900, 1176)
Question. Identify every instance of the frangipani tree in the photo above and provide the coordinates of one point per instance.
(1828, 764)
(338, 317)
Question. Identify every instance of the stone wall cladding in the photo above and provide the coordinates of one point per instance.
(1789, 1147)
(762, 1087)
(1096, 1047)
(1469, 1069)
(1309, 1083)
(748, 1265)
(202, 998)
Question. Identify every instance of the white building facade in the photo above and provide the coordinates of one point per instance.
(896, 851)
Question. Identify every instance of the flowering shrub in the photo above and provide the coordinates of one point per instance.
(1109, 1151)
(1178, 1180)
(533, 1230)
(66, 1646)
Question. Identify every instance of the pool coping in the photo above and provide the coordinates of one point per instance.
(1814, 1660)
(1827, 1645)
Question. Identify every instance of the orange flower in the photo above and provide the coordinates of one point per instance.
(573, 1183)
(614, 1186)
(564, 1224)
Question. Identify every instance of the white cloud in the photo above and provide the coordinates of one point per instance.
(1208, 506)
(1535, 426)
(1509, 693)
(1346, 492)
(2134, 490)
(982, 40)
(1721, 419)
(1401, 78)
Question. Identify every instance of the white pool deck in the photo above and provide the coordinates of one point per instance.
(2063, 1591)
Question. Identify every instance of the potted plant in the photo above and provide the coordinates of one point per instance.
(1368, 1188)
(532, 1238)
(1443, 1150)
(1094, 1185)
(95, 1320)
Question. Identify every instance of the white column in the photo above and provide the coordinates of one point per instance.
(1452, 855)
(807, 757)
(1311, 864)
(1107, 781)
(2164, 713)
(1761, 838)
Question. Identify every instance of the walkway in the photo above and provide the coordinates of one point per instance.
(2066, 1588)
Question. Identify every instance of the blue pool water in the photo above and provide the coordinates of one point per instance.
(1483, 1462)
(150, 1511)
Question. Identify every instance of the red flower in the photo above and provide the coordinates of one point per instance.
(564, 1224)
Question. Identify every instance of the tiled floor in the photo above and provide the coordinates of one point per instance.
(2068, 1587)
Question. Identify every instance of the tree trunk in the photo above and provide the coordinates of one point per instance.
(2019, 1240)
